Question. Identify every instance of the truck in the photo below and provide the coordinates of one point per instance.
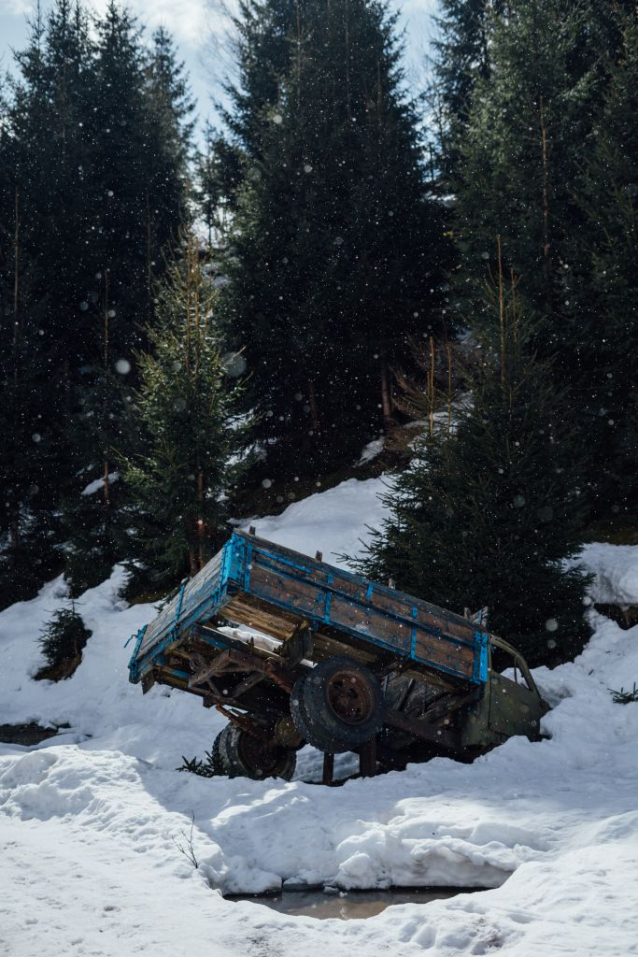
(294, 651)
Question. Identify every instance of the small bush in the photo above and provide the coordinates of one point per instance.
(62, 641)
(206, 769)
(624, 697)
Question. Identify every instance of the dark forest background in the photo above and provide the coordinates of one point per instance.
(194, 334)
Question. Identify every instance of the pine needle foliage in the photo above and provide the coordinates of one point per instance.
(63, 638)
(205, 768)
(336, 250)
(185, 405)
(488, 512)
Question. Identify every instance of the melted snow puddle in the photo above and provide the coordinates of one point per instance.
(349, 905)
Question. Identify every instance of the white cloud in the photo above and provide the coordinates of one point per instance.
(189, 21)
(15, 8)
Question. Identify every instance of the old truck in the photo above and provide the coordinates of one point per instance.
(293, 650)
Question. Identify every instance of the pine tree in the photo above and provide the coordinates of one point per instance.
(93, 124)
(141, 131)
(523, 155)
(488, 512)
(268, 34)
(186, 414)
(219, 169)
(63, 638)
(601, 287)
(169, 128)
(462, 57)
(336, 250)
(43, 206)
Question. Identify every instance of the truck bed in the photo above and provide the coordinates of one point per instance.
(272, 590)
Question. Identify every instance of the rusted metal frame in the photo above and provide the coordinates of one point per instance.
(406, 691)
(368, 758)
(442, 707)
(328, 769)
(274, 668)
(419, 729)
(207, 670)
(248, 683)
(279, 676)
(243, 722)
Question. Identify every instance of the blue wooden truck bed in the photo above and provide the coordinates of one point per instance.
(273, 590)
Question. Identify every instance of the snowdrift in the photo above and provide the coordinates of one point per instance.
(100, 831)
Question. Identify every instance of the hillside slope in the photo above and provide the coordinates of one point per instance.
(94, 822)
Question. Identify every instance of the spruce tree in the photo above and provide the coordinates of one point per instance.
(43, 217)
(94, 141)
(490, 510)
(63, 638)
(336, 249)
(523, 155)
(462, 58)
(600, 288)
(186, 414)
(140, 128)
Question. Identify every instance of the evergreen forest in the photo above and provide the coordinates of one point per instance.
(200, 326)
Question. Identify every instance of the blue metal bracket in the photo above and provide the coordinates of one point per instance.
(481, 645)
(248, 565)
(132, 665)
(180, 601)
(328, 600)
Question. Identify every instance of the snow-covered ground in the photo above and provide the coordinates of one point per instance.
(94, 823)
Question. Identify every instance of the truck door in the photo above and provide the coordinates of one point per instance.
(515, 706)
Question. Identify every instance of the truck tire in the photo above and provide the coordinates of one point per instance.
(337, 706)
(240, 755)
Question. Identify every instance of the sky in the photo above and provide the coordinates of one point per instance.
(199, 28)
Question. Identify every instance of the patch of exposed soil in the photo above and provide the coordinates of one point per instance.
(27, 734)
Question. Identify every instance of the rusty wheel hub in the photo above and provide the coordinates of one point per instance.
(350, 697)
(258, 756)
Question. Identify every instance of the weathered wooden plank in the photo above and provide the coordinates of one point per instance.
(271, 589)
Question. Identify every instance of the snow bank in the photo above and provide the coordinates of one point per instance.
(616, 572)
(99, 830)
(336, 522)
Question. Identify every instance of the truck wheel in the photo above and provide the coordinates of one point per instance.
(337, 706)
(240, 755)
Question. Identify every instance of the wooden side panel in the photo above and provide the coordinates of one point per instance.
(382, 617)
(272, 589)
(456, 658)
(299, 595)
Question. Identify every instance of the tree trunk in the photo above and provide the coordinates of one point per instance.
(201, 527)
(314, 411)
(386, 400)
(192, 561)
(545, 200)
(14, 533)
(16, 286)
(105, 408)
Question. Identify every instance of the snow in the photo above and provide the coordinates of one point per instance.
(98, 483)
(616, 573)
(371, 451)
(92, 821)
(336, 522)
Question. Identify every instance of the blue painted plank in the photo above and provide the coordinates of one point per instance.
(327, 593)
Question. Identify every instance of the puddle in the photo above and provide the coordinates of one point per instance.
(349, 905)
